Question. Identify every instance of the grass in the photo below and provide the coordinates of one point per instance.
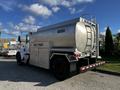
(112, 65)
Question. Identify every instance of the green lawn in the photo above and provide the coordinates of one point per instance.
(112, 65)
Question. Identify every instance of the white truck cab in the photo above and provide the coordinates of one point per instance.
(22, 55)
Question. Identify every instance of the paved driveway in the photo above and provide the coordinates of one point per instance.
(14, 77)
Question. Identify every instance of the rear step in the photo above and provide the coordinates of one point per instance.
(91, 66)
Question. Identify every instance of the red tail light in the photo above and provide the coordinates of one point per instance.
(77, 55)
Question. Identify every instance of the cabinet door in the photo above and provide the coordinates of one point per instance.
(34, 56)
(39, 54)
(43, 60)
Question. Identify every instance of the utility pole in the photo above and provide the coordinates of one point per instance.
(0, 41)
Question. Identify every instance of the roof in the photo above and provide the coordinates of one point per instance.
(68, 22)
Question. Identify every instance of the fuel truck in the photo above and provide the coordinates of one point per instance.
(64, 48)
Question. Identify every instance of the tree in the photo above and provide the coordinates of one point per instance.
(117, 44)
(19, 39)
(118, 37)
(109, 46)
(27, 39)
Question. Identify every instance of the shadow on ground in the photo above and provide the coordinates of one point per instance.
(10, 71)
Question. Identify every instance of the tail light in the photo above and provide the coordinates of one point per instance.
(77, 55)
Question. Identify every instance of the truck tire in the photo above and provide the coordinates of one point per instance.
(27, 62)
(60, 68)
(18, 58)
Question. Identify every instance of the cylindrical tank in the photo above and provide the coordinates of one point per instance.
(85, 37)
(78, 35)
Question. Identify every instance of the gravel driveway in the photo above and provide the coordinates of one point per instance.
(14, 77)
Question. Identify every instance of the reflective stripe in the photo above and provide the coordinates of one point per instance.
(87, 67)
(90, 65)
(83, 68)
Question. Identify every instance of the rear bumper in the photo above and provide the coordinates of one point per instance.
(91, 66)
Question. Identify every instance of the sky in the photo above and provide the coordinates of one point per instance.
(26, 15)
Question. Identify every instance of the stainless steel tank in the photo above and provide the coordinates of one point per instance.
(77, 34)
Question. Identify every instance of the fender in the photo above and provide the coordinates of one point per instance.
(62, 54)
(24, 54)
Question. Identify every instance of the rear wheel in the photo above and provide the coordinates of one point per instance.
(60, 68)
(18, 58)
